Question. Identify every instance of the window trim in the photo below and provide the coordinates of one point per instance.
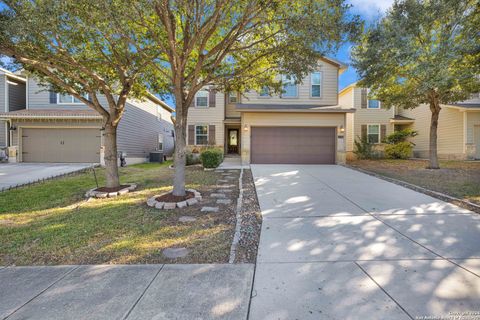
(158, 142)
(259, 94)
(321, 85)
(368, 102)
(196, 142)
(208, 99)
(296, 88)
(73, 99)
(379, 132)
(230, 95)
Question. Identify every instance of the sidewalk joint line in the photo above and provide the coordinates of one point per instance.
(41, 292)
(143, 293)
(384, 291)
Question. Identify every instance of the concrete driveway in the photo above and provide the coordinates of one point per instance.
(17, 174)
(339, 244)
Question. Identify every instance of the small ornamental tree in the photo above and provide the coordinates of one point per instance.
(82, 48)
(422, 52)
(236, 45)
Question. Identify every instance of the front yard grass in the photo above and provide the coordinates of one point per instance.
(460, 179)
(52, 223)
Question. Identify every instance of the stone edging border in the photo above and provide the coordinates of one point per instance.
(238, 220)
(442, 196)
(152, 202)
(101, 194)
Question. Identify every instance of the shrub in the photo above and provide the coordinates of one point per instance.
(400, 150)
(192, 159)
(364, 149)
(400, 136)
(211, 158)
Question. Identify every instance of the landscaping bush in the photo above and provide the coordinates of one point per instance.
(400, 136)
(211, 158)
(364, 149)
(400, 150)
(192, 158)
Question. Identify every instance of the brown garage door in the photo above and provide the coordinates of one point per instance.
(293, 145)
(60, 145)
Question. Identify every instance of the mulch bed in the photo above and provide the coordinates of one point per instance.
(115, 189)
(169, 197)
(251, 222)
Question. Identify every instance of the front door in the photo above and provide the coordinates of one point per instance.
(232, 141)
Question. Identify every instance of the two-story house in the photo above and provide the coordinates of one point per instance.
(458, 124)
(304, 125)
(44, 126)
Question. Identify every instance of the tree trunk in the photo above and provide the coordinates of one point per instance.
(433, 157)
(110, 156)
(180, 157)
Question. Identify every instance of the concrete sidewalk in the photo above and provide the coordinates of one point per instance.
(18, 174)
(126, 292)
(340, 244)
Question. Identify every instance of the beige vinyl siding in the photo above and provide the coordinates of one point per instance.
(17, 96)
(139, 129)
(450, 131)
(329, 90)
(210, 116)
(285, 120)
(230, 111)
(345, 99)
(473, 119)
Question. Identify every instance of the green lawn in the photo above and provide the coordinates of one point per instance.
(52, 223)
(460, 179)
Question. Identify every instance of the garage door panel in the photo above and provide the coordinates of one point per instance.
(293, 145)
(60, 145)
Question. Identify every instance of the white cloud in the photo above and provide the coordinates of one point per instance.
(370, 8)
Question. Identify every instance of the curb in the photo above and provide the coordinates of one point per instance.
(238, 222)
(442, 196)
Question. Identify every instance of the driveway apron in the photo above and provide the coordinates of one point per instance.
(340, 244)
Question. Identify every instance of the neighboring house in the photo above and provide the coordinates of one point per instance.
(304, 125)
(458, 125)
(44, 126)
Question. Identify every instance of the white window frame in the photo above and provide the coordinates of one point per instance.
(71, 96)
(196, 135)
(160, 141)
(232, 95)
(208, 99)
(292, 78)
(379, 132)
(368, 102)
(320, 84)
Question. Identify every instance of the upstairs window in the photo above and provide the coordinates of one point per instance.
(201, 99)
(232, 97)
(201, 135)
(68, 99)
(373, 133)
(289, 87)
(316, 83)
(264, 93)
(373, 104)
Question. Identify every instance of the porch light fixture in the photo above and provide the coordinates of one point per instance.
(342, 129)
(245, 127)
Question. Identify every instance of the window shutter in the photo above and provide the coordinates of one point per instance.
(191, 134)
(364, 131)
(211, 97)
(364, 98)
(53, 96)
(211, 135)
(383, 132)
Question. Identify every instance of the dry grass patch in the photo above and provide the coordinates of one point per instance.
(459, 179)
